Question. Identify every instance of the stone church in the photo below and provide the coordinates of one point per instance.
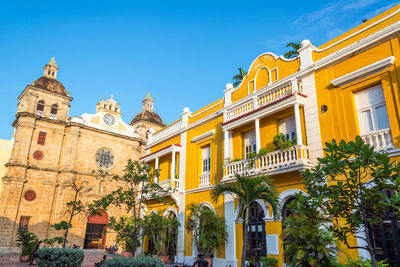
(51, 149)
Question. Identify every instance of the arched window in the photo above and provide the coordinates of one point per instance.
(386, 237)
(40, 108)
(53, 111)
(286, 211)
(256, 230)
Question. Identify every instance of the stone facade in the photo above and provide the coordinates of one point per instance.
(50, 148)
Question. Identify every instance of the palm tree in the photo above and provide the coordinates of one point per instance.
(237, 79)
(248, 189)
(294, 52)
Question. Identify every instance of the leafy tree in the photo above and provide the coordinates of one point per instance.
(134, 187)
(294, 52)
(237, 79)
(306, 241)
(209, 229)
(351, 185)
(160, 231)
(26, 241)
(74, 207)
(247, 190)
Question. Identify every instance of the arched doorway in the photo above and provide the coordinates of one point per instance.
(95, 236)
(386, 237)
(257, 238)
(286, 212)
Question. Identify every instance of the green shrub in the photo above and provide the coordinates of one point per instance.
(363, 262)
(59, 257)
(268, 262)
(144, 261)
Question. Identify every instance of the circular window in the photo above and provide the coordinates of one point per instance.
(104, 158)
(30, 195)
(38, 155)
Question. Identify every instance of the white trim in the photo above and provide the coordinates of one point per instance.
(170, 209)
(363, 72)
(161, 153)
(200, 189)
(285, 195)
(358, 32)
(272, 250)
(350, 50)
(152, 211)
(203, 136)
(264, 54)
(263, 206)
(208, 205)
(394, 152)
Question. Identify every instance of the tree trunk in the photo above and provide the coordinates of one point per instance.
(245, 237)
(70, 219)
(368, 237)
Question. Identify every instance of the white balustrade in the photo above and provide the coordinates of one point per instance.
(273, 161)
(380, 140)
(205, 179)
(40, 113)
(168, 130)
(53, 116)
(169, 183)
(268, 97)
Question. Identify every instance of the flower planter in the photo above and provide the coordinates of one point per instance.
(209, 261)
(165, 259)
(127, 254)
(24, 258)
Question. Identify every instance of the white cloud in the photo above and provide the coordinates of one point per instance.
(358, 4)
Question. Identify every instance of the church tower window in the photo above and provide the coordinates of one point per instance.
(40, 108)
(53, 111)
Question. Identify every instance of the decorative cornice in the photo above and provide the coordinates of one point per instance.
(363, 72)
(162, 152)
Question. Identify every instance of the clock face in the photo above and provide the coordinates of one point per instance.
(108, 119)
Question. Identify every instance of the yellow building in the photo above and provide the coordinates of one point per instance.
(344, 88)
(51, 148)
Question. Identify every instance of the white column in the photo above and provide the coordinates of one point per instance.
(257, 130)
(226, 144)
(181, 230)
(298, 124)
(156, 166)
(173, 171)
(230, 252)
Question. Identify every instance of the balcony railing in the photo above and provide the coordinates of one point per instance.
(280, 160)
(380, 140)
(53, 116)
(205, 179)
(263, 99)
(174, 127)
(170, 183)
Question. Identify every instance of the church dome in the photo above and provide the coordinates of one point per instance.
(149, 116)
(51, 85)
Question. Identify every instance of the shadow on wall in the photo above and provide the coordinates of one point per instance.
(7, 239)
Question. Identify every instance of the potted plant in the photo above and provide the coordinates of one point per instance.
(124, 228)
(209, 230)
(169, 236)
(26, 241)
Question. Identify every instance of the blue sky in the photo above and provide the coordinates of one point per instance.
(183, 52)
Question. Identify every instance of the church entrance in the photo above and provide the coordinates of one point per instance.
(95, 236)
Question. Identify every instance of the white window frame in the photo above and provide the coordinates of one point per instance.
(283, 127)
(372, 109)
(206, 159)
(252, 146)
